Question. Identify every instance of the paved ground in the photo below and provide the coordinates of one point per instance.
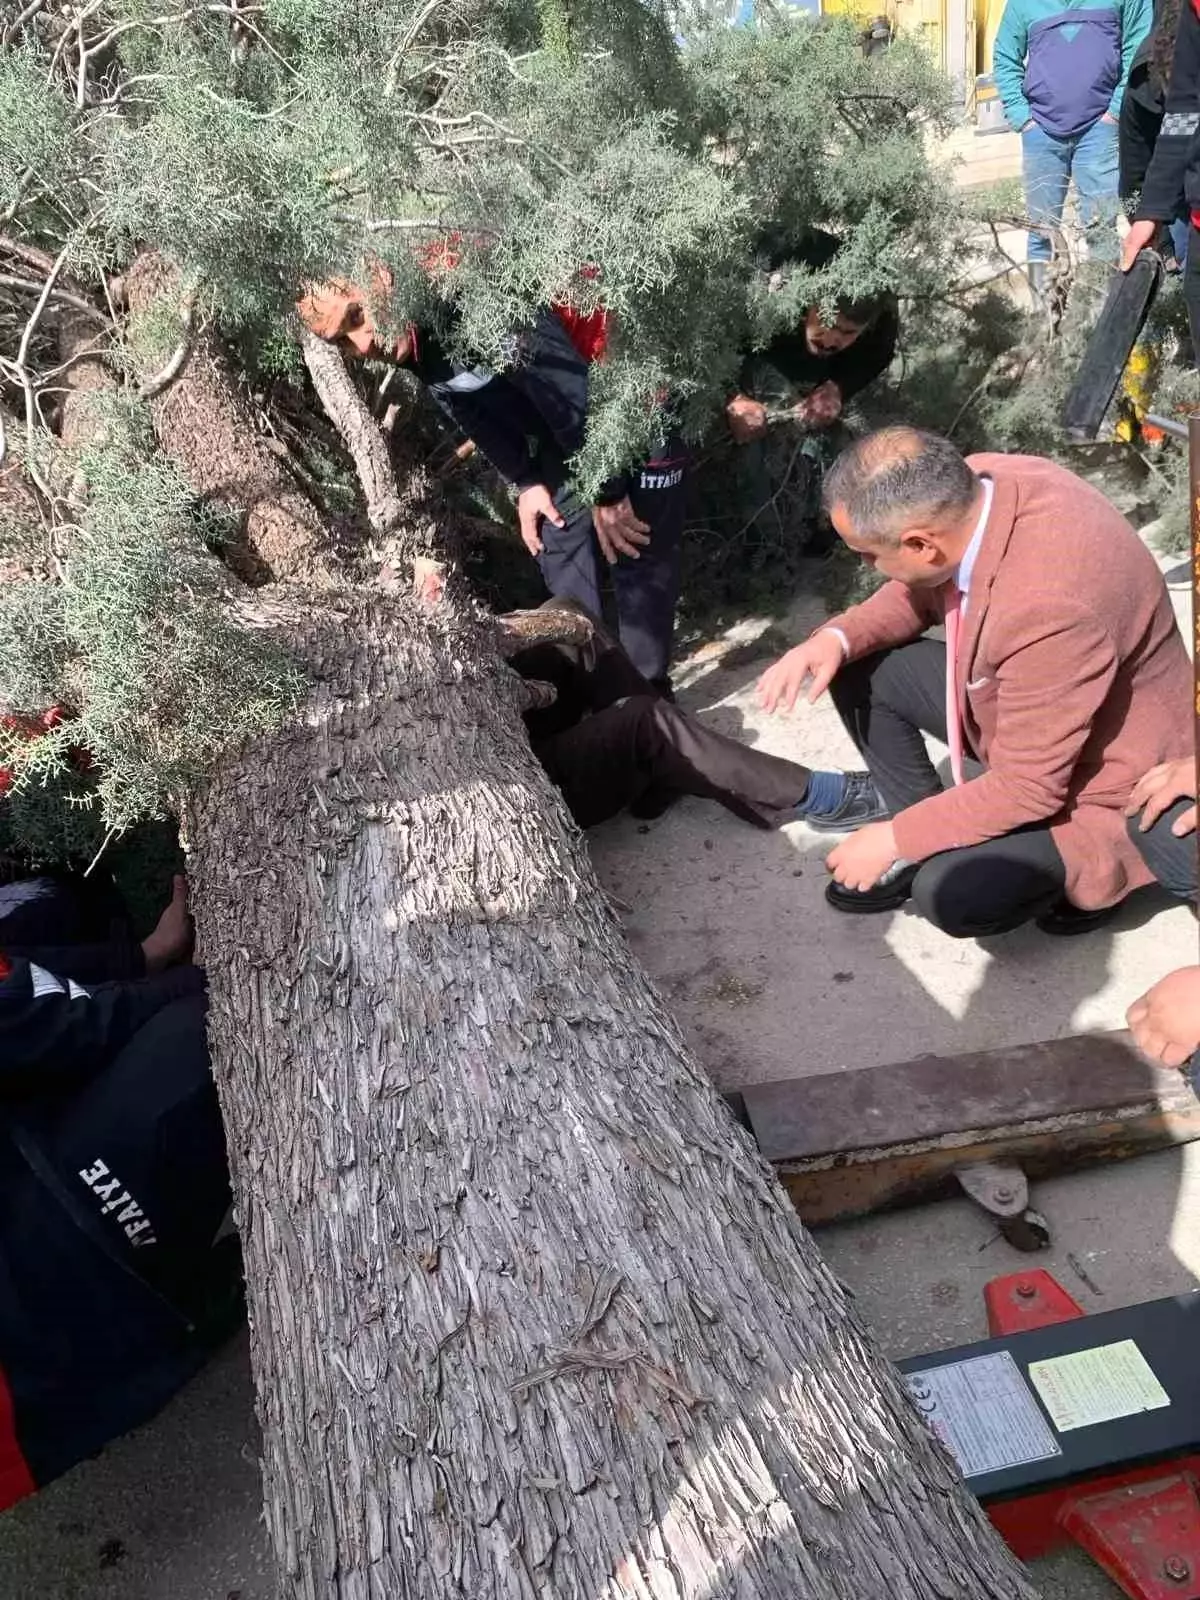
(769, 984)
(772, 984)
(1123, 1235)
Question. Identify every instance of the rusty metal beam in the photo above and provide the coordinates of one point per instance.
(848, 1143)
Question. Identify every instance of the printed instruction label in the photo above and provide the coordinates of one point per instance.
(1099, 1385)
(984, 1413)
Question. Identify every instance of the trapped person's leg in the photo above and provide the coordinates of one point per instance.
(1173, 861)
(1095, 169)
(647, 588)
(888, 702)
(609, 760)
(993, 887)
(1046, 169)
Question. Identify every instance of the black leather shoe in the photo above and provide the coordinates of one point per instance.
(889, 894)
(1064, 920)
(653, 802)
(861, 803)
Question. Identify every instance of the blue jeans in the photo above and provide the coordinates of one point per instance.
(1050, 163)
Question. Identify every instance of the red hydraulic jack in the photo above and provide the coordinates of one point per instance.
(1080, 1429)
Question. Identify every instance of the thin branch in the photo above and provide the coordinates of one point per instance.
(23, 184)
(401, 50)
(7, 281)
(19, 374)
(28, 253)
(19, 21)
(351, 417)
(163, 379)
(47, 290)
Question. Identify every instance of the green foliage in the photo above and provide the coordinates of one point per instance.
(38, 143)
(139, 645)
(544, 138)
(563, 150)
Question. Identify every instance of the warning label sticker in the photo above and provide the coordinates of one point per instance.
(985, 1414)
(1098, 1385)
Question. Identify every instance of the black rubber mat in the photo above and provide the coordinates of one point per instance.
(1126, 306)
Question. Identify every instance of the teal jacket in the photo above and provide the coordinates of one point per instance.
(1064, 63)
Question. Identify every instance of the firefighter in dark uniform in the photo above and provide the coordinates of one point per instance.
(809, 374)
(119, 1269)
(529, 422)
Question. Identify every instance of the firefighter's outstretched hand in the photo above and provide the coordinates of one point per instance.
(619, 530)
(1139, 237)
(171, 941)
(533, 504)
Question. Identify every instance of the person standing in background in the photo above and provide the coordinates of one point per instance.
(1172, 181)
(1141, 117)
(1061, 67)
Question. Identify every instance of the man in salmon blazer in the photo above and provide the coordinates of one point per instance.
(1061, 680)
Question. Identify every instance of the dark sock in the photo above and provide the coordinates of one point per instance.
(825, 792)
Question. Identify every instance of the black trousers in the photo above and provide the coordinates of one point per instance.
(1191, 290)
(1172, 861)
(611, 739)
(646, 590)
(888, 702)
(1137, 133)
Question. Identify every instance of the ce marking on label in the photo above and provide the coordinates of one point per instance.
(923, 1395)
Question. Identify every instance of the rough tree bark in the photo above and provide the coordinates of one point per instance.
(530, 1317)
(216, 442)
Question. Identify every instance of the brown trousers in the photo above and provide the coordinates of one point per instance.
(611, 740)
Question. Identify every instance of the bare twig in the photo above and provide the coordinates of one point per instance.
(769, 505)
(166, 376)
(19, 21)
(14, 205)
(28, 253)
(8, 281)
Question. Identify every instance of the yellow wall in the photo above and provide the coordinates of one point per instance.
(987, 22)
(919, 19)
(927, 19)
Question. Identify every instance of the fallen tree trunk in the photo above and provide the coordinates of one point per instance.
(530, 1316)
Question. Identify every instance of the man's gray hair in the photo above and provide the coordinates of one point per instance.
(895, 478)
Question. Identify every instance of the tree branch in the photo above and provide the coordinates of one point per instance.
(351, 417)
(28, 253)
(19, 21)
(166, 376)
(28, 286)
